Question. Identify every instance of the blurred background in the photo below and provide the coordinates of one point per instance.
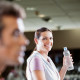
(60, 16)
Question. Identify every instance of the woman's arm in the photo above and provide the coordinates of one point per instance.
(65, 66)
(38, 75)
(62, 72)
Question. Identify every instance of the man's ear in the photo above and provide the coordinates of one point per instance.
(0, 41)
(36, 40)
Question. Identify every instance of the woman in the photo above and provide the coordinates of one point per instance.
(39, 64)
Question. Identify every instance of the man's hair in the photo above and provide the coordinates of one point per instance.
(10, 9)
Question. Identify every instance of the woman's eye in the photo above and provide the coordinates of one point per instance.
(51, 38)
(44, 38)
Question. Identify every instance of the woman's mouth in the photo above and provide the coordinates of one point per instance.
(48, 46)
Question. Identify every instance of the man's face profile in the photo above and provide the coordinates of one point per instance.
(13, 41)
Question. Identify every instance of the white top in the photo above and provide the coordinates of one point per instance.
(50, 70)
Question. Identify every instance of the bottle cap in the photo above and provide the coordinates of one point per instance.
(65, 48)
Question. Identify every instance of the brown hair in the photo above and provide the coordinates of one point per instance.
(10, 9)
(39, 31)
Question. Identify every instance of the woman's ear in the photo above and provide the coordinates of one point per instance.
(35, 40)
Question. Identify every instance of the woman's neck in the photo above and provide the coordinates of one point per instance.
(43, 53)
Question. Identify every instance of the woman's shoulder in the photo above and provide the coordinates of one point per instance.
(36, 63)
(34, 56)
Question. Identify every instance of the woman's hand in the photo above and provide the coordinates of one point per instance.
(67, 61)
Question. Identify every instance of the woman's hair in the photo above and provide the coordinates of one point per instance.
(39, 31)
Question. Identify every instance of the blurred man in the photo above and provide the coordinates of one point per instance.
(12, 39)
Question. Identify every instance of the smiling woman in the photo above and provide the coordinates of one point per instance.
(39, 64)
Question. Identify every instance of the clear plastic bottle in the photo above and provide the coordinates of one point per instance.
(66, 52)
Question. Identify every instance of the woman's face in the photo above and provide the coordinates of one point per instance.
(45, 42)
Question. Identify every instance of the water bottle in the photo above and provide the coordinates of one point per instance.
(66, 52)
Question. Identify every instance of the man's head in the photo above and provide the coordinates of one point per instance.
(12, 39)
